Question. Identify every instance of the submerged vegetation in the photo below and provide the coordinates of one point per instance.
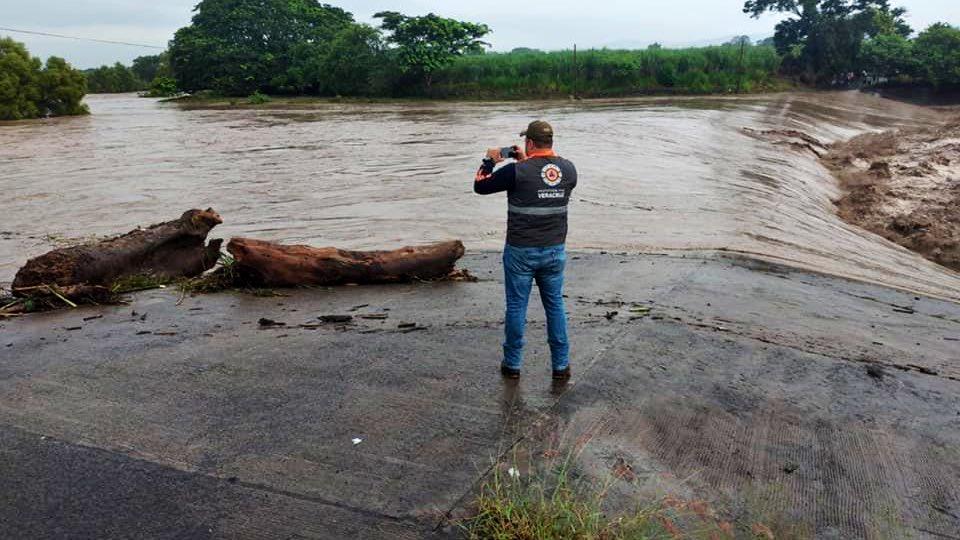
(32, 89)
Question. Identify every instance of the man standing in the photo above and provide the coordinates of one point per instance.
(538, 190)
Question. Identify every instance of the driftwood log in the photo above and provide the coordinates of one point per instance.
(167, 250)
(274, 265)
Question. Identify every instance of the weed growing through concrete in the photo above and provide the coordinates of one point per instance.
(551, 501)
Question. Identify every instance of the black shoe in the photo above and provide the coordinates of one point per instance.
(562, 375)
(509, 373)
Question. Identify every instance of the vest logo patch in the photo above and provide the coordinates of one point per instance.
(551, 175)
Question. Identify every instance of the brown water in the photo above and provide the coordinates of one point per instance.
(656, 175)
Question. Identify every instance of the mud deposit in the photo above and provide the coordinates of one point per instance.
(905, 186)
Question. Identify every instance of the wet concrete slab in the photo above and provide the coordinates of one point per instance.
(176, 403)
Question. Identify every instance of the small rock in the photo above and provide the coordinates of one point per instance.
(611, 315)
(876, 372)
(791, 468)
(268, 323)
(9, 344)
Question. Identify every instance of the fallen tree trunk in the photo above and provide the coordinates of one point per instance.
(167, 250)
(274, 265)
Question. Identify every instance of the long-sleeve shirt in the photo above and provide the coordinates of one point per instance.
(489, 181)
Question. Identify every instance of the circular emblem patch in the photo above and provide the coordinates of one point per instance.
(552, 175)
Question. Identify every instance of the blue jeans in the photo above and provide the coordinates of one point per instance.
(522, 265)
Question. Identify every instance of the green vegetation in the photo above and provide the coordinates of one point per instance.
(162, 86)
(113, 79)
(30, 89)
(551, 501)
(301, 47)
(237, 47)
(150, 73)
(828, 41)
(719, 69)
(424, 45)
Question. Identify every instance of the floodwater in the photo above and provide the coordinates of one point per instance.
(656, 175)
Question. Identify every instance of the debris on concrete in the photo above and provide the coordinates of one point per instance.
(336, 319)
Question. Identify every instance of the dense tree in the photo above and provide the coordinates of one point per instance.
(823, 38)
(237, 47)
(113, 79)
(28, 89)
(426, 44)
(148, 68)
(937, 51)
(62, 89)
(19, 82)
(353, 61)
(890, 56)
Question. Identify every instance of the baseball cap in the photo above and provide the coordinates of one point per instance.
(539, 131)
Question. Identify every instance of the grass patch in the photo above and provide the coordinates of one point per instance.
(551, 503)
(222, 278)
(546, 495)
(139, 282)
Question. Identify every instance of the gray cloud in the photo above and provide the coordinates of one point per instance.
(559, 24)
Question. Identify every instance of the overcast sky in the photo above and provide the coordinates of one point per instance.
(598, 23)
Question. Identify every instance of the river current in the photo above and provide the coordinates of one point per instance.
(656, 175)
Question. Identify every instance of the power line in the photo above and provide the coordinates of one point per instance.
(81, 38)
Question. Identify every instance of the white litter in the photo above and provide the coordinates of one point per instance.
(357, 441)
(513, 473)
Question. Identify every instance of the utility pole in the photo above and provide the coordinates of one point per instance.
(576, 71)
(743, 45)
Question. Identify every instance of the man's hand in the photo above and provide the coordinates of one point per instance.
(521, 155)
(494, 154)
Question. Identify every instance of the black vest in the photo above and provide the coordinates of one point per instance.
(537, 215)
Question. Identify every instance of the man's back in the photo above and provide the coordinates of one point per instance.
(537, 205)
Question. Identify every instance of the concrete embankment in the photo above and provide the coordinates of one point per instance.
(782, 396)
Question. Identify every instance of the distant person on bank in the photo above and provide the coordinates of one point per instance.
(538, 186)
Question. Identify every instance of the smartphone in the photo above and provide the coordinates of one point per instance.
(508, 152)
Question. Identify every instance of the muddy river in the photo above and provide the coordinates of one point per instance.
(658, 175)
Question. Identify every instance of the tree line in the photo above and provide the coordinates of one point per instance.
(30, 88)
(303, 47)
(151, 73)
(296, 47)
(825, 42)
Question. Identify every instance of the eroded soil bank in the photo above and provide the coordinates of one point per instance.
(905, 186)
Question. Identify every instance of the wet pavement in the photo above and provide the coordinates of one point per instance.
(833, 405)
